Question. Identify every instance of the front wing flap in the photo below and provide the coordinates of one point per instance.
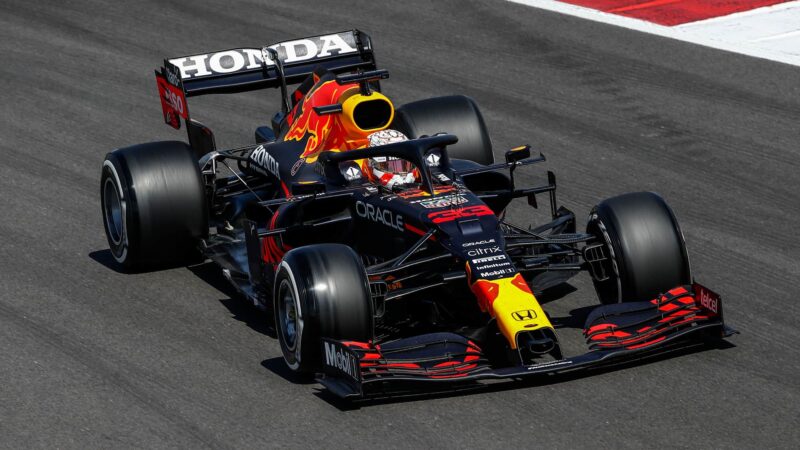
(614, 334)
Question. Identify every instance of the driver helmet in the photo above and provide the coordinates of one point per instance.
(388, 170)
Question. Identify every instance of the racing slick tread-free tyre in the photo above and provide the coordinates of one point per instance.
(455, 114)
(153, 204)
(644, 244)
(320, 291)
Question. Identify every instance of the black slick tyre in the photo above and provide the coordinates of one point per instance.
(644, 245)
(320, 291)
(455, 114)
(153, 204)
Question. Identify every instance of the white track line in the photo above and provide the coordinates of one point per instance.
(774, 29)
(772, 32)
(746, 14)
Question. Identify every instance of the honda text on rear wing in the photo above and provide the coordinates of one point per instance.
(248, 69)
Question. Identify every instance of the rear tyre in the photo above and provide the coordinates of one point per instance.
(644, 245)
(455, 114)
(153, 204)
(320, 291)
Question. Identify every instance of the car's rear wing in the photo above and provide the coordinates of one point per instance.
(247, 69)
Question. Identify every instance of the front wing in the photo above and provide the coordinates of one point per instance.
(614, 334)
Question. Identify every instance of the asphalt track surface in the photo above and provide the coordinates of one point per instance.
(90, 357)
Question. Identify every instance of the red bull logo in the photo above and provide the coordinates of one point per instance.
(319, 131)
(342, 130)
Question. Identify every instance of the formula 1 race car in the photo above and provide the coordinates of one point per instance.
(375, 238)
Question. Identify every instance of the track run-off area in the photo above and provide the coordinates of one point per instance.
(768, 29)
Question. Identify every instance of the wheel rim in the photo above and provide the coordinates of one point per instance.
(612, 268)
(112, 207)
(287, 315)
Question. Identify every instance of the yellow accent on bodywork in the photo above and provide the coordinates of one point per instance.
(514, 308)
(348, 109)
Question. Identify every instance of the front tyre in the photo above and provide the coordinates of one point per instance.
(644, 245)
(320, 291)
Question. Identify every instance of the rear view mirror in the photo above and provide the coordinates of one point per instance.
(518, 153)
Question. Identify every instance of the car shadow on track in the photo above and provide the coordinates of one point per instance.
(536, 381)
(259, 321)
(211, 274)
(241, 310)
(576, 319)
(278, 366)
(251, 316)
(106, 259)
(555, 293)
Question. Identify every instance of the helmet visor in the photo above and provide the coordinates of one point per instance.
(392, 165)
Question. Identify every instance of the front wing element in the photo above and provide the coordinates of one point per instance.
(614, 333)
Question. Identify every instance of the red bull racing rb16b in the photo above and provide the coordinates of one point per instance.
(375, 238)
